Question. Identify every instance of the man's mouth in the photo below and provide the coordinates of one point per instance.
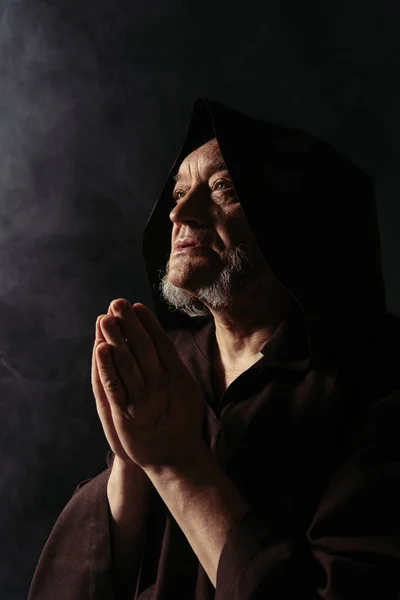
(189, 248)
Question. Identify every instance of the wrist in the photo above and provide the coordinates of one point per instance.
(126, 467)
(195, 461)
(126, 479)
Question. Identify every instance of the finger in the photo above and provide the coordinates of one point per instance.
(112, 383)
(125, 362)
(102, 404)
(166, 350)
(139, 341)
(99, 337)
(96, 384)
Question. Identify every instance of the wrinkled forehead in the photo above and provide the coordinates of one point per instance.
(208, 156)
(210, 151)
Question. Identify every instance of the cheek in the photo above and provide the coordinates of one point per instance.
(235, 229)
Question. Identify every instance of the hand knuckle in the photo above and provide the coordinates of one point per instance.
(142, 346)
(126, 361)
(112, 385)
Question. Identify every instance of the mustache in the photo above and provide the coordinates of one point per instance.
(234, 276)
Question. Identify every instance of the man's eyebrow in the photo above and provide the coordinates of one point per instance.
(221, 166)
(177, 177)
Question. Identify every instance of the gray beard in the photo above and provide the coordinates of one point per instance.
(239, 273)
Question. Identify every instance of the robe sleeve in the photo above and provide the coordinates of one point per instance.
(351, 548)
(75, 563)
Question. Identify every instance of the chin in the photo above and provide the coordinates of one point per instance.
(193, 277)
(187, 284)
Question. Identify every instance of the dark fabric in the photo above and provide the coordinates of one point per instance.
(312, 212)
(317, 456)
(308, 434)
(75, 562)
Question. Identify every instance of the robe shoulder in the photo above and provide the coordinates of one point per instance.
(76, 562)
(352, 546)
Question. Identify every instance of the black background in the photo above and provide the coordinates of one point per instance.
(94, 102)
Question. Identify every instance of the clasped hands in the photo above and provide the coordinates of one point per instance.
(150, 407)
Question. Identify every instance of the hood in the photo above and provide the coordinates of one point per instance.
(314, 218)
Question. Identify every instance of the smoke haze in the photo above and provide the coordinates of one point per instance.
(94, 100)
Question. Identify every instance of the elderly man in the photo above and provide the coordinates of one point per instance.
(253, 434)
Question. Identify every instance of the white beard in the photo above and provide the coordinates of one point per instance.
(238, 273)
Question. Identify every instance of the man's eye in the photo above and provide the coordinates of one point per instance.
(178, 195)
(222, 185)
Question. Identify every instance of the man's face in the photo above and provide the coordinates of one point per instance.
(207, 210)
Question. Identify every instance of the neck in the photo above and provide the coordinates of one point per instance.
(243, 329)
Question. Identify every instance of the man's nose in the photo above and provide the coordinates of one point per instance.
(193, 206)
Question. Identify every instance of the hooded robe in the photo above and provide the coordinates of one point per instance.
(309, 433)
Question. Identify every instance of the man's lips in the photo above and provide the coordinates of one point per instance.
(188, 248)
(189, 243)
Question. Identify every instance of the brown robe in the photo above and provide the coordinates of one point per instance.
(316, 454)
(309, 434)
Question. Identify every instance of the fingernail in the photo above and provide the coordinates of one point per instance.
(118, 304)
